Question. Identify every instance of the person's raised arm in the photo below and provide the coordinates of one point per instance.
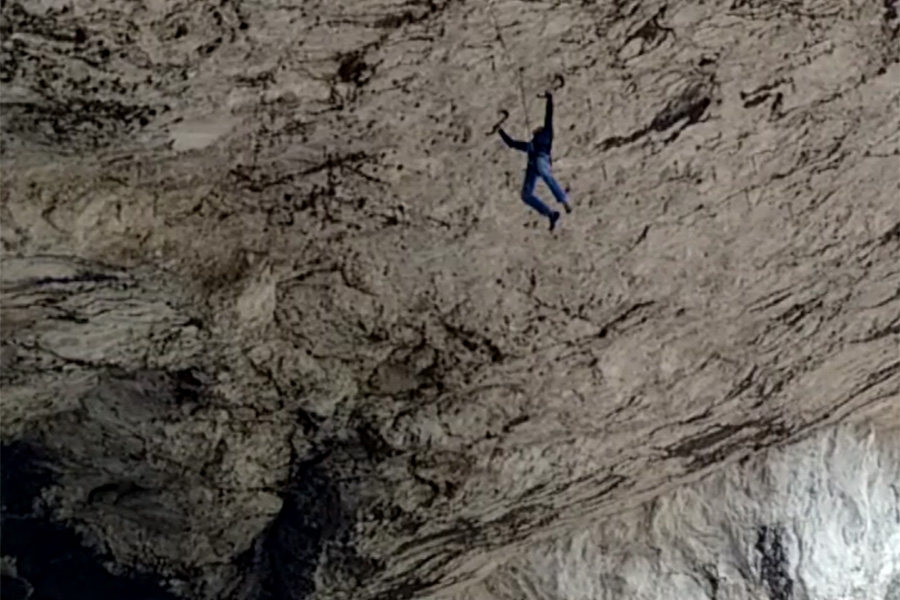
(548, 114)
(516, 144)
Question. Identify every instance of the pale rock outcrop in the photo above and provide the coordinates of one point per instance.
(817, 519)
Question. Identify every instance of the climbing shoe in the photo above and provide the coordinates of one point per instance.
(554, 217)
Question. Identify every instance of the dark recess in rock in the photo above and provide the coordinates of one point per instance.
(188, 387)
(23, 474)
(51, 557)
(293, 544)
(773, 567)
(396, 21)
(373, 442)
(14, 588)
(354, 69)
(711, 575)
(893, 589)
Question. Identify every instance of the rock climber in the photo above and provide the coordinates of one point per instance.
(539, 165)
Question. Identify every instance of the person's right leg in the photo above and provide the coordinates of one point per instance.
(530, 198)
(545, 173)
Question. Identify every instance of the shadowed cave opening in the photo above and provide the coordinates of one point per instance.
(52, 562)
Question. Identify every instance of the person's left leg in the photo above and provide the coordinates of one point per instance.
(530, 198)
(533, 201)
(545, 173)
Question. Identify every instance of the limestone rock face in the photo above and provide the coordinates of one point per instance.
(276, 323)
(815, 520)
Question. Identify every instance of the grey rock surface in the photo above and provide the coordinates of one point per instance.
(818, 519)
(276, 325)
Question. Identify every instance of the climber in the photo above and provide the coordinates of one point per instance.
(539, 165)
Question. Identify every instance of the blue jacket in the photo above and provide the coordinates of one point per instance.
(542, 142)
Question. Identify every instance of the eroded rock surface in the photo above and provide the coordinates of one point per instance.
(276, 325)
(818, 519)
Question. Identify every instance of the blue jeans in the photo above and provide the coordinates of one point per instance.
(540, 167)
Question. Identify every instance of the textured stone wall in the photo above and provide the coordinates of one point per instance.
(277, 325)
(817, 519)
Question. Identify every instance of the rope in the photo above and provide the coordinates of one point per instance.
(509, 60)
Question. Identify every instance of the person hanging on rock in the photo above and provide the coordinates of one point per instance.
(539, 166)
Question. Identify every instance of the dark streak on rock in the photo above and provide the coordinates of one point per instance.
(517, 520)
(46, 26)
(651, 33)
(515, 421)
(775, 111)
(704, 448)
(472, 341)
(711, 574)
(891, 235)
(742, 386)
(428, 10)
(397, 21)
(632, 400)
(797, 312)
(642, 236)
(75, 121)
(761, 94)
(689, 107)
(81, 278)
(66, 315)
(630, 311)
(112, 492)
(755, 101)
(448, 535)
(877, 377)
(407, 589)
(462, 534)
(769, 300)
(607, 485)
(892, 329)
(773, 566)
(691, 445)
(696, 418)
(209, 48)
